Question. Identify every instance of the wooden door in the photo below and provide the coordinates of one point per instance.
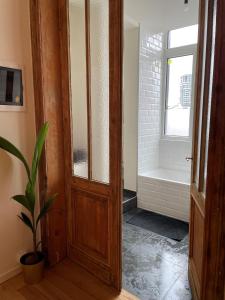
(206, 257)
(91, 58)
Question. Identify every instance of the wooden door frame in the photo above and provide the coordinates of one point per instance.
(48, 107)
(50, 69)
(214, 247)
(48, 93)
(213, 274)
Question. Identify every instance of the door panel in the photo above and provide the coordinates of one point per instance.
(89, 227)
(95, 150)
(197, 246)
(207, 192)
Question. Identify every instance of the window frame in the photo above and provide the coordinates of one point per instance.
(173, 53)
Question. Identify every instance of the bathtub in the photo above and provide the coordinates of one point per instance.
(166, 192)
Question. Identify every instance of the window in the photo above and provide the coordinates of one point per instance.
(179, 57)
(183, 36)
(179, 94)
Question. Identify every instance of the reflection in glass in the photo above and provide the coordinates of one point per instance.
(99, 44)
(78, 87)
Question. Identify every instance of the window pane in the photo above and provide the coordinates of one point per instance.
(179, 96)
(99, 44)
(183, 36)
(78, 87)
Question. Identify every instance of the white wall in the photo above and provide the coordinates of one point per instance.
(130, 105)
(18, 127)
(162, 15)
(149, 112)
(176, 16)
(156, 18)
(148, 13)
(172, 155)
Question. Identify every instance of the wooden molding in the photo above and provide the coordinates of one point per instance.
(44, 21)
(214, 271)
(207, 226)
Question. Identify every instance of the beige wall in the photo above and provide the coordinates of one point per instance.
(18, 127)
(130, 105)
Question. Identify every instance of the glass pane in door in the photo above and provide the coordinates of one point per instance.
(209, 103)
(78, 87)
(99, 49)
(196, 179)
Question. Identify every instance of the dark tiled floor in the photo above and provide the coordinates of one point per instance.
(154, 267)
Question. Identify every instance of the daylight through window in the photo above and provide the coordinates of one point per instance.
(179, 81)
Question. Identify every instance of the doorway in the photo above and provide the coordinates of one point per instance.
(207, 209)
(160, 51)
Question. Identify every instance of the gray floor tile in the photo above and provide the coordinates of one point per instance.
(180, 290)
(133, 235)
(148, 274)
(174, 252)
(154, 267)
(128, 215)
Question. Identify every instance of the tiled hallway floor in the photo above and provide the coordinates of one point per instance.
(154, 267)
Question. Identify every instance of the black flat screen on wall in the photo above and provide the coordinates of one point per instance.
(11, 87)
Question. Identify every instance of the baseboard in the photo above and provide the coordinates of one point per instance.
(9, 274)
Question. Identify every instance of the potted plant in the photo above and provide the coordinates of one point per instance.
(32, 262)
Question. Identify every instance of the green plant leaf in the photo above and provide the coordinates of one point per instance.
(9, 147)
(45, 208)
(38, 151)
(26, 220)
(23, 201)
(30, 195)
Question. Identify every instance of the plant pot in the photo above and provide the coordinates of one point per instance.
(32, 271)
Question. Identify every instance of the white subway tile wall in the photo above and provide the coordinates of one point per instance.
(150, 77)
(162, 195)
(172, 155)
(154, 152)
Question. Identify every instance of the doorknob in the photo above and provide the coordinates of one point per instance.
(188, 158)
